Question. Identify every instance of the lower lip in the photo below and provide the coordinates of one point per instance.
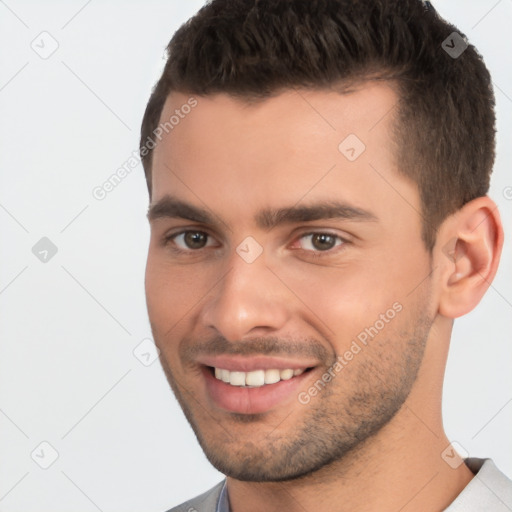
(245, 400)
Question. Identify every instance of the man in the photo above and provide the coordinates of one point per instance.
(318, 173)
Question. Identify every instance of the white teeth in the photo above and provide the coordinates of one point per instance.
(237, 378)
(272, 376)
(286, 374)
(256, 378)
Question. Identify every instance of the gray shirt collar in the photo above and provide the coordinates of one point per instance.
(490, 489)
(223, 503)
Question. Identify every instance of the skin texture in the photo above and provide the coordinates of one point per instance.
(372, 438)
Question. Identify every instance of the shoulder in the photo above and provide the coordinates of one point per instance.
(205, 502)
(490, 489)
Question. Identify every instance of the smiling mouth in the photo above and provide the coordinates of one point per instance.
(256, 378)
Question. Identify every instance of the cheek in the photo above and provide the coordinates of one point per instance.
(341, 302)
(172, 291)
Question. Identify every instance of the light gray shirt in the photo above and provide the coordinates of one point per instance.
(489, 491)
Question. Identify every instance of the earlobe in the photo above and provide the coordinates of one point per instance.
(469, 248)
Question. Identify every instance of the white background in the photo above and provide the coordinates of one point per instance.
(68, 375)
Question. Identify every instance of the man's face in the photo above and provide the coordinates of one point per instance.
(265, 281)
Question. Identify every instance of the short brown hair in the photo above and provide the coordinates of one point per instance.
(253, 49)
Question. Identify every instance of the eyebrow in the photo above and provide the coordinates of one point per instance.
(267, 218)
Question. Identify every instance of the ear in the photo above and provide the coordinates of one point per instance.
(468, 247)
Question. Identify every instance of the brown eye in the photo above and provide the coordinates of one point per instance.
(320, 241)
(195, 239)
(323, 242)
(190, 240)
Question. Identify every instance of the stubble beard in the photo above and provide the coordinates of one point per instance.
(334, 423)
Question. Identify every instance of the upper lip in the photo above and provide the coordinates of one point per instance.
(248, 364)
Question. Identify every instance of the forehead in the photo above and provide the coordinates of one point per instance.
(282, 122)
(300, 145)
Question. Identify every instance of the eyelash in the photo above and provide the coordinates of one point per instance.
(315, 254)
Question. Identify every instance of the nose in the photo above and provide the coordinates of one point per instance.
(249, 300)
